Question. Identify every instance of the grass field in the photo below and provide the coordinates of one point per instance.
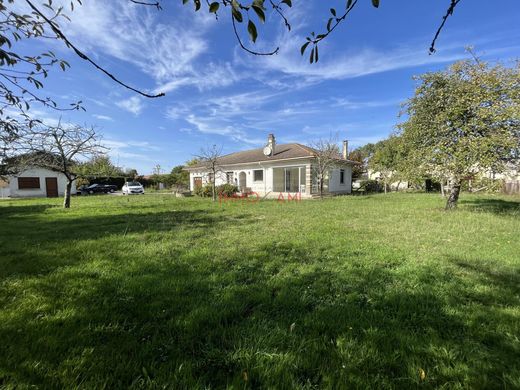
(351, 292)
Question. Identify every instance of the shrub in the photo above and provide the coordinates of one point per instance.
(204, 191)
(371, 186)
(227, 190)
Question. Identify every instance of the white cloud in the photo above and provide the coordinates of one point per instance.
(133, 105)
(132, 152)
(168, 52)
(207, 125)
(103, 117)
(356, 63)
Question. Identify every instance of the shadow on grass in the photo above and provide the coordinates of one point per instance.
(34, 245)
(275, 317)
(495, 206)
(8, 210)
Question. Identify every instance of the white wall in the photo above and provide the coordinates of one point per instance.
(266, 186)
(334, 180)
(42, 173)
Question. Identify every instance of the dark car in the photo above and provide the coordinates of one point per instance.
(98, 189)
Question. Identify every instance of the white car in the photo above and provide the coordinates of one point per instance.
(133, 188)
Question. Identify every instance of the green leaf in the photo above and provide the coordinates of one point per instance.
(213, 7)
(184, 1)
(197, 4)
(288, 2)
(329, 23)
(311, 59)
(333, 11)
(349, 3)
(304, 46)
(237, 15)
(375, 3)
(260, 13)
(316, 54)
(251, 29)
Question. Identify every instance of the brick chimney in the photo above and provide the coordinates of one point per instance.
(271, 142)
(345, 150)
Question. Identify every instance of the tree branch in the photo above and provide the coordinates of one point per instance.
(156, 4)
(275, 51)
(83, 56)
(449, 12)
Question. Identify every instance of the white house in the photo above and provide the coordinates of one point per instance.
(36, 182)
(276, 169)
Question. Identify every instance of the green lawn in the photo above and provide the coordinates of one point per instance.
(351, 292)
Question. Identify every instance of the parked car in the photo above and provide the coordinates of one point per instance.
(133, 187)
(98, 189)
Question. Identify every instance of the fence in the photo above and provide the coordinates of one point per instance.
(512, 187)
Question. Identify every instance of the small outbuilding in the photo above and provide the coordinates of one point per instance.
(36, 182)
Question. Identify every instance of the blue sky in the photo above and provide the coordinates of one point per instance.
(218, 94)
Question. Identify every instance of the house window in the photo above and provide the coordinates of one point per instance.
(28, 183)
(229, 177)
(258, 175)
(342, 176)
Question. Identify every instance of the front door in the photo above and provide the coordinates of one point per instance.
(51, 184)
(197, 182)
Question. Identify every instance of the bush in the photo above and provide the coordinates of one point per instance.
(227, 190)
(222, 190)
(204, 191)
(371, 186)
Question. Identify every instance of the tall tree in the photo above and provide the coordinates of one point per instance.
(464, 120)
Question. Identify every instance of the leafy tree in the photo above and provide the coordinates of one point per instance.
(100, 165)
(357, 170)
(388, 159)
(180, 177)
(464, 120)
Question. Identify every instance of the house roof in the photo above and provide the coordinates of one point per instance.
(282, 152)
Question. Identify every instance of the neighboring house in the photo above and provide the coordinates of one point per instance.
(37, 182)
(394, 185)
(276, 169)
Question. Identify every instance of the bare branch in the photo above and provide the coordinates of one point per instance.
(449, 12)
(156, 4)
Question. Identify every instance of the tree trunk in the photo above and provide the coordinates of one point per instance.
(454, 196)
(214, 192)
(66, 198)
(321, 186)
(442, 188)
(384, 183)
